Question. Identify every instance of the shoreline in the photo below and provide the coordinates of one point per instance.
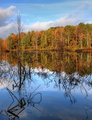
(61, 50)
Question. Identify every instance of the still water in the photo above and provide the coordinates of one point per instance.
(46, 86)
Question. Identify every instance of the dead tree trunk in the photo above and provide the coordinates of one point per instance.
(19, 48)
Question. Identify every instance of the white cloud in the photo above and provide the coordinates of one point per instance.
(5, 14)
(67, 20)
(7, 30)
(74, 18)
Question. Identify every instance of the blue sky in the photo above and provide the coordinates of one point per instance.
(32, 1)
(45, 10)
(40, 10)
(42, 14)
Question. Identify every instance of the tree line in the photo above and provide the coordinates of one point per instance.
(55, 38)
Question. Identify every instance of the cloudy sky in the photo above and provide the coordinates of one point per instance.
(42, 14)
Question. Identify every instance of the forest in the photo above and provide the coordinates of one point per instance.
(70, 38)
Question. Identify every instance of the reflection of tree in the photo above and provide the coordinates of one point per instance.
(19, 51)
(69, 80)
(55, 61)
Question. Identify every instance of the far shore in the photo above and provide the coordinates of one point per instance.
(78, 50)
(64, 49)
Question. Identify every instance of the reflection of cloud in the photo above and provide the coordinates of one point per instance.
(40, 70)
(7, 73)
(6, 83)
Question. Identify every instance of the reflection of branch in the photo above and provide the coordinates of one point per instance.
(31, 101)
(84, 89)
(14, 111)
(86, 114)
(17, 109)
(71, 97)
(12, 95)
(1, 111)
(33, 92)
(32, 96)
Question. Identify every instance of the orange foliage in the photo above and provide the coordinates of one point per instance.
(4, 44)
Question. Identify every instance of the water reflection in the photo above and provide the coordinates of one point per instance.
(54, 61)
(64, 80)
(18, 105)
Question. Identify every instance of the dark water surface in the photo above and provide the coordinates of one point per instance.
(46, 86)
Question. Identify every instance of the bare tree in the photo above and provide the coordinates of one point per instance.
(19, 28)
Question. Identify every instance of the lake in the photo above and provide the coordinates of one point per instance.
(47, 85)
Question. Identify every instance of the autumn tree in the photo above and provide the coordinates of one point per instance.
(1, 42)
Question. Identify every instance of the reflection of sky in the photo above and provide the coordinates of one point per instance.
(57, 103)
(54, 106)
(59, 108)
(48, 80)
